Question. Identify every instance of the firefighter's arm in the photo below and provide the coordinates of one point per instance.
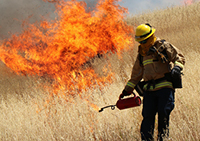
(136, 76)
(175, 56)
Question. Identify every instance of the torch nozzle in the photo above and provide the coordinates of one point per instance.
(101, 110)
(112, 107)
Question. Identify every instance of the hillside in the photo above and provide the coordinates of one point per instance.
(26, 113)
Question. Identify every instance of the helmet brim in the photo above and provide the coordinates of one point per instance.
(141, 39)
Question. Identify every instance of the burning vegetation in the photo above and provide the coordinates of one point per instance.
(58, 49)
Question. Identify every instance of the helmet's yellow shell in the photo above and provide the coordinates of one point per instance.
(143, 32)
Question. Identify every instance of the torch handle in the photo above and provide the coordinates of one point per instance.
(131, 93)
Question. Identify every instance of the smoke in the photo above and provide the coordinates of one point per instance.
(90, 3)
(14, 12)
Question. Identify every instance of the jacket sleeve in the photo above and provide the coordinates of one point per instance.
(175, 55)
(136, 76)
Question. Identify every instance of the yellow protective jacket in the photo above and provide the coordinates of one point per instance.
(152, 68)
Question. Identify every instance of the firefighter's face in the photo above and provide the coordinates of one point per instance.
(144, 41)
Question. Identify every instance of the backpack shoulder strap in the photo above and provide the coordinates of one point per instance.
(161, 54)
(163, 40)
(140, 57)
(160, 51)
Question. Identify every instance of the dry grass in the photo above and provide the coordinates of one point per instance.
(22, 97)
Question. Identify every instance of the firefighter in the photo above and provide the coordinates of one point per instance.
(159, 65)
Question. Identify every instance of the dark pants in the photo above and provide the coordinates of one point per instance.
(161, 102)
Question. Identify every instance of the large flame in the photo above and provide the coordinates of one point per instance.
(58, 49)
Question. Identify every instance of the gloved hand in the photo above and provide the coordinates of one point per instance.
(125, 93)
(176, 71)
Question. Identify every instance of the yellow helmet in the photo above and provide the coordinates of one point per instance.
(143, 32)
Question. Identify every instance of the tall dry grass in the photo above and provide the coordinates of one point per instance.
(24, 116)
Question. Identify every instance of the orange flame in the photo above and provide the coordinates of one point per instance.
(58, 49)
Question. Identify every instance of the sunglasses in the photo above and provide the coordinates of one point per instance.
(143, 42)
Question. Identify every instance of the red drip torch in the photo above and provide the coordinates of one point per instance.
(125, 103)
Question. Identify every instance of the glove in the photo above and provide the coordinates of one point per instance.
(125, 93)
(176, 72)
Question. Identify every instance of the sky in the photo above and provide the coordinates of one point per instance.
(13, 12)
(141, 6)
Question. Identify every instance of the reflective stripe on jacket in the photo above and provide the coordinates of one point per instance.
(158, 86)
(153, 68)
